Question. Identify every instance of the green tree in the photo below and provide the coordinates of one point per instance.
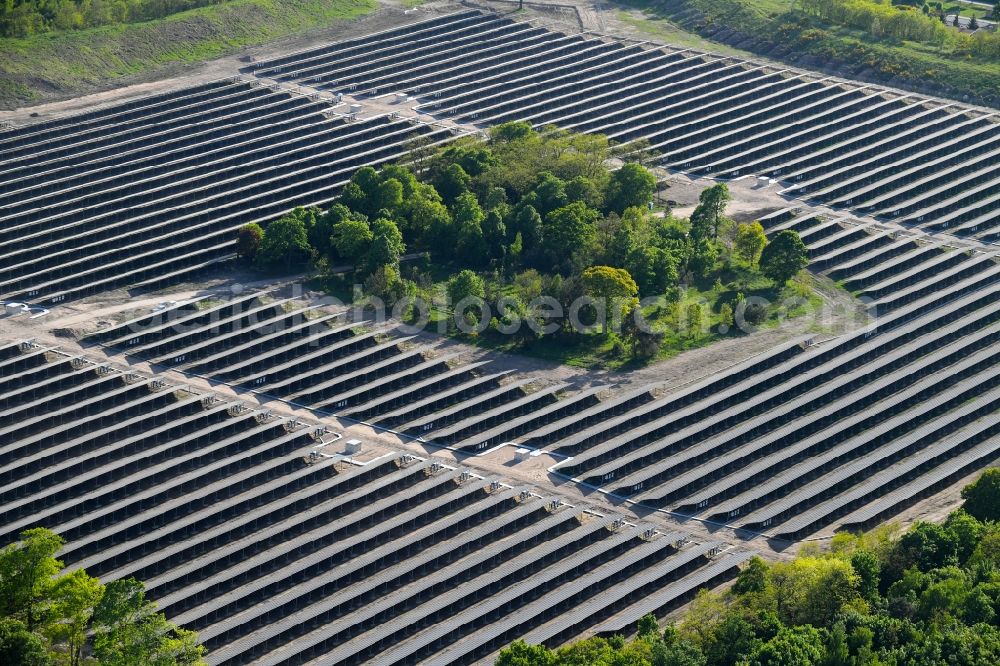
(388, 195)
(521, 654)
(428, 219)
(20, 647)
(248, 240)
(286, 243)
(631, 185)
(528, 223)
(586, 191)
(982, 497)
(612, 286)
(726, 317)
(387, 245)
(783, 257)
(752, 579)
(351, 239)
(750, 242)
(74, 597)
(967, 530)
(648, 626)
(452, 182)
(592, 651)
(471, 248)
(128, 630)
(712, 204)
(361, 194)
(548, 195)
(567, 235)
(868, 568)
(795, 646)
(515, 130)
(730, 641)
(27, 575)
(837, 651)
(465, 285)
(704, 255)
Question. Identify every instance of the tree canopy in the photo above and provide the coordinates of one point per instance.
(48, 617)
(546, 202)
(783, 257)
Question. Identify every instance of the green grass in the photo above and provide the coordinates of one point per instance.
(78, 61)
(597, 350)
(775, 29)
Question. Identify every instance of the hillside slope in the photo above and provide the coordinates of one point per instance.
(71, 63)
(774, 28)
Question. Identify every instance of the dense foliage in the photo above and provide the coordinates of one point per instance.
(22, 18)
(52, 618)
(532, 215)
(930, 597)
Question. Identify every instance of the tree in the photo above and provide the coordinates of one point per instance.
(982, 497)
(711, 206)
(528, 223)
(783, 257)
(471, 244)
(695, 315)
(548, 195)
(867, 566)
(837, 651)
(351, 239)
(730, 641)
(726, 318)
(387, 245)
(798, 646)
(752, 579)
(750, 242)
(631, 185)
(452, 182)
(648, 626)
(426, 215)
(465, 285)
(654, 269)
(128, 630)
(248, 240)
(567, 233)
(285, 244)
(74, 597)
(613, 287)
(584, 190)
(361, 194)
(20, 647)
(521, 654)
(515, 130)
(388, 195)
(704, 254)
(645, 343)
(27, 572)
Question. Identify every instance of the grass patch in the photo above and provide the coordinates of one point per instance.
(77, 61)
(599, 351)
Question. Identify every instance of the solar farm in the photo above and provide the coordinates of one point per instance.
(303, 488)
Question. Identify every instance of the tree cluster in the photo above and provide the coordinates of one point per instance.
(48, 618)
(532, 213)
(930, 597)
(880, 19)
